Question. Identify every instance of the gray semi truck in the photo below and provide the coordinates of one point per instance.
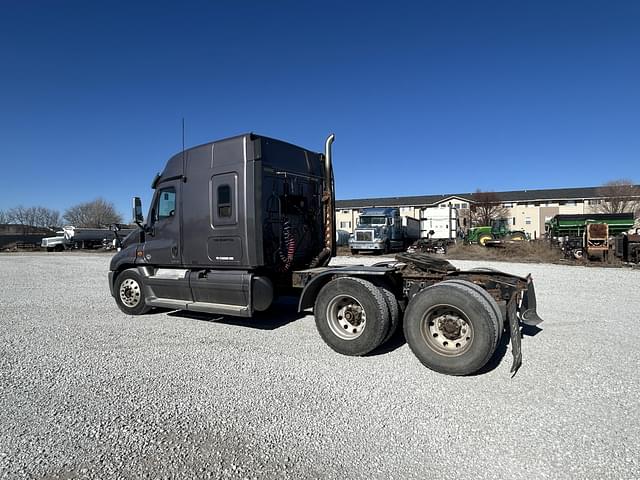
(383, 230)
(235, 223)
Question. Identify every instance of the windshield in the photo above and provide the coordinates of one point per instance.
(371, 221)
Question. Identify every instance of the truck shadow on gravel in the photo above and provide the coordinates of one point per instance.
(398, 341)
(503, 347)
(281, 313)
(284, 311)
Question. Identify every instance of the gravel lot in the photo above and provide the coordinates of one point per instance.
(88, 392)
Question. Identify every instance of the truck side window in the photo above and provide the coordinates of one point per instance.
(224, 201)
(166, 203)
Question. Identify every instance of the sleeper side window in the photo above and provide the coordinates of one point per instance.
(166, 206)
(224, 201)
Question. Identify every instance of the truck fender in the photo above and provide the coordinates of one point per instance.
(142, 270)
(315, 284)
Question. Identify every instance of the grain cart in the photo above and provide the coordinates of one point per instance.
(237, 222)
(569, 231)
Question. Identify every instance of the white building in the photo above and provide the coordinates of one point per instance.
(526, 209)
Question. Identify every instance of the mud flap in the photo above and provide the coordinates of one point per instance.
(528, 315)
(514, 328)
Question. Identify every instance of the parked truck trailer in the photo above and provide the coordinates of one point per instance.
(439, 223)
(235, 223)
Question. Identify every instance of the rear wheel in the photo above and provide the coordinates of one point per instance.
(450, 329)
(394, 313)
(517, 237)
(497, 317)
(129, 289)
(351, 315)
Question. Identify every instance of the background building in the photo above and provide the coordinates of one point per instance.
(526, 209)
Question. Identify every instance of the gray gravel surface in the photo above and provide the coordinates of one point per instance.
(88, 392)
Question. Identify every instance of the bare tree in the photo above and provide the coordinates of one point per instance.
(32, 218)
(486, 206)
(94, 214)
(4, 217)
(21, 216)
(619, 196)
(46, 217)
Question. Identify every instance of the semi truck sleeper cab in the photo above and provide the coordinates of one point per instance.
(237, 222)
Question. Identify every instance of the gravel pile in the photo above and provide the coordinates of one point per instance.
(88, 392)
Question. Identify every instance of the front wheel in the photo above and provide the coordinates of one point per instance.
(351, 315)
(450, 329)
(484, 238)
(129, 289)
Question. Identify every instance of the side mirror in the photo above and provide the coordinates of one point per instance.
(137, 210)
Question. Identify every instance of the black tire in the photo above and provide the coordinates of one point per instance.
(338, 310)
(354, 252)
(49, 249)
(394, 313)
(129, 292)
(497, 317)
(58, 248)
(462, 345)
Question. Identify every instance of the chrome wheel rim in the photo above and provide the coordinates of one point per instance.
(446, 330)
(130, 293)
(346, 317)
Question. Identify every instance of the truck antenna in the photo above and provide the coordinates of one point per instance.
(184, 165)
(183, 139)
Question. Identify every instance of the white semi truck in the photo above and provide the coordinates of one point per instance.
(71, 237)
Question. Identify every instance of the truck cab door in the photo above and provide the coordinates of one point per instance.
(395, 226)
(162, 246)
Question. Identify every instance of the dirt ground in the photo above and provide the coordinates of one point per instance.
(523, 252)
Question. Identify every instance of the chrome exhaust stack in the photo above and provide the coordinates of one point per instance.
(327, 156)
(328, 199)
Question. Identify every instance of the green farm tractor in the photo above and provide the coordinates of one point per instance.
(498, 230)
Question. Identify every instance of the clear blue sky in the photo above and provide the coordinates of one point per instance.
(496, 95)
